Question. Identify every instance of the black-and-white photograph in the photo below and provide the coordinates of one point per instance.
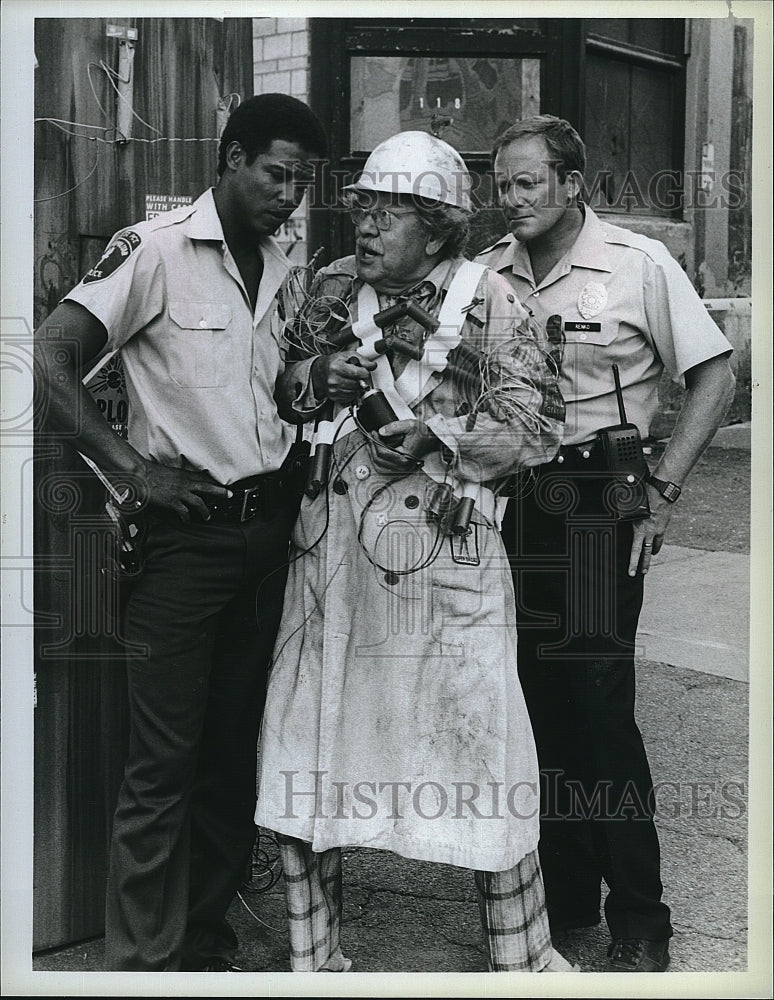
(386, 447)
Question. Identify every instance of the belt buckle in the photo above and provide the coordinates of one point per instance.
(245, 515)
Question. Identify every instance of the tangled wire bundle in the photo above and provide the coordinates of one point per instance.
(484, 381)
(308, 320)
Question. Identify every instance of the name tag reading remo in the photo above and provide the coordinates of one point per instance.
(575, 327)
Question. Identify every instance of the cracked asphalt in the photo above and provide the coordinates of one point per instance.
(412, 917)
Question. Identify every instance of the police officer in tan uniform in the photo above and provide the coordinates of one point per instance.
(188, 299)
(616, 298)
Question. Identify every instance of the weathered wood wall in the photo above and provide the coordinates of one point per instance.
(87, 186)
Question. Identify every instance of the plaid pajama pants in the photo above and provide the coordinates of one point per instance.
(511, 904)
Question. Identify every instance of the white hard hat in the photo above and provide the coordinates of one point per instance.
(419, 164)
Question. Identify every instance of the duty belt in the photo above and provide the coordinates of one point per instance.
(258, 495)
(571, 457)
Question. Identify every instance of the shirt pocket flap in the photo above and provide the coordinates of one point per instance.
(590, 332)
(200, 315)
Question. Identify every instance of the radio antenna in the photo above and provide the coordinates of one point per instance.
(619, 395)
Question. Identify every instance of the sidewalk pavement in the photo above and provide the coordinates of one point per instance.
(692, 668)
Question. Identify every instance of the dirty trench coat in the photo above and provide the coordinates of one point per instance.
(394, 715)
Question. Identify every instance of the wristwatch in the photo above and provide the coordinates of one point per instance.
(669, 491)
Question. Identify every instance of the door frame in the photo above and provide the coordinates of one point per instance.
(557, 42)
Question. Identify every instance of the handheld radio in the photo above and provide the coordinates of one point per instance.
(622, 449)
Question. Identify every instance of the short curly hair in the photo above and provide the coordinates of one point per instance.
(446, 222)
(259, 120)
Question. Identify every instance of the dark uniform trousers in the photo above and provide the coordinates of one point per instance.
(204, 614)
(577, 613)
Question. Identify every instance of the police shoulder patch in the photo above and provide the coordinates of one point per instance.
(117, 253)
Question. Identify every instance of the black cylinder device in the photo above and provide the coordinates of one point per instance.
(374, 410)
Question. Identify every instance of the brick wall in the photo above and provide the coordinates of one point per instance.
(281, 65)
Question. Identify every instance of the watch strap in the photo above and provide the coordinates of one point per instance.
(668, 490)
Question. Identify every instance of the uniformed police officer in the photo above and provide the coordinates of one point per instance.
(188, 299)
(578, 567)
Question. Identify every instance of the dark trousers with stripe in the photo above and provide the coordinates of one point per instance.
(203, 617)
(577, 613)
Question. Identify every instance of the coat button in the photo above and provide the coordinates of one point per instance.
(381, 520)
(391, 578)
(411, 502)
(362, 472)
(340, 487)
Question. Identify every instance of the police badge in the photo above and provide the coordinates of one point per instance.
(592, 299)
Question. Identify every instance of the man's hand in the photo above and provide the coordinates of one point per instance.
(179, 490)
(337, 377)
(407, 441)
(649, 533)
(710, 391)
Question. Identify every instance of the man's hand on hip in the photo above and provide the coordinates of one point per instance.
(179, 490)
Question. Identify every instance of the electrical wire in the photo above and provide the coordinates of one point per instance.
(340, 468)
(89, 67)
(437, 544)
(435, 548)
(307, 317)
(262, 866)
(299, 555)
(500, 391)
(230, 99)
(267, 867)
(59, 122)
(53, 197)
(255, 916)
(434, 552)
(128, 104)
(110, 74)
(118, 142)
(484, 381)
(381, 443)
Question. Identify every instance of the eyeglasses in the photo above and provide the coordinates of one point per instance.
(382, 217)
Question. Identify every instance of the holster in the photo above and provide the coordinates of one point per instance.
(294, 471)
(130, 531)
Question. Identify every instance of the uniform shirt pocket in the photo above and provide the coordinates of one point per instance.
(201, 353)
(585, 346)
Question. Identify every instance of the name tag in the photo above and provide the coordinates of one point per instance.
(571, 327)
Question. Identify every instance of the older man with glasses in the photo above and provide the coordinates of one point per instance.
(394, 717)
